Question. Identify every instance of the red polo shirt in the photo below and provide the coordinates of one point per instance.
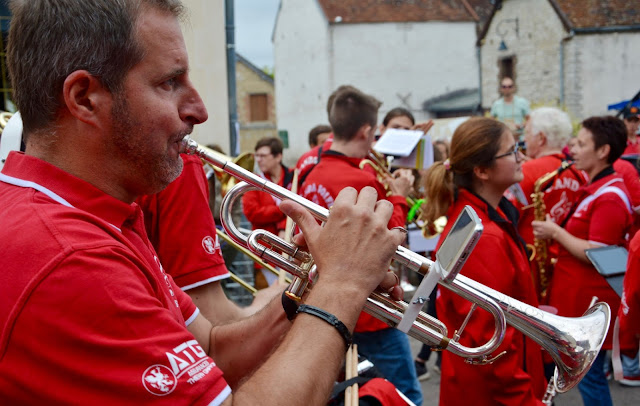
(633, 147)
(602, 217)
(88, 315)
(180, 226)
(629, 312)
(335, 172)
(559, 196)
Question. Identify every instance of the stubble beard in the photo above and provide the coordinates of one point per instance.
(148, 170)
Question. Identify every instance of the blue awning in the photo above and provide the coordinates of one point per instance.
(620, 105)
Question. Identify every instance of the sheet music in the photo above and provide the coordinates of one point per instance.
(398, 142)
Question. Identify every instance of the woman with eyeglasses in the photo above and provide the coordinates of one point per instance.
(602, 216)
(484, 162)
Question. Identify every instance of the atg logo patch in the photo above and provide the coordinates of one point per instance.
(186, 359)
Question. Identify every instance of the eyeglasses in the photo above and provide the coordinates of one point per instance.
(516, 153)
(506, 86)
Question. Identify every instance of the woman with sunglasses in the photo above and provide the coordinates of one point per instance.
(511, 109)
(602, 216)
(484, 162)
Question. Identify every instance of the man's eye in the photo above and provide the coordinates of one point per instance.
(170, 83)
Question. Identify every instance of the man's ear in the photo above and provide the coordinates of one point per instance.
(481, 172)
(85, 96)
(543, 138)
(604, 151)
(363, 132)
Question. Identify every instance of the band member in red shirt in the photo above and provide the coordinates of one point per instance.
(602, 216)
(260, 208)
(631, 116)
(545, 133)
(629, 312)
(484, 162)
(318, 135)
(353, 116)
(194, 259)
(88, 314)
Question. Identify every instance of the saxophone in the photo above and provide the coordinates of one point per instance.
(541, 252)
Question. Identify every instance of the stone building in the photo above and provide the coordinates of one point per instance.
(577, 54)
(255, 96)
(402, 52)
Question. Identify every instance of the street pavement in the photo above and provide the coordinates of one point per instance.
(622, 396)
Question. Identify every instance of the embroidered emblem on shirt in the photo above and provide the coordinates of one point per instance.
(159, 380)
(210, 244)
(187, 358)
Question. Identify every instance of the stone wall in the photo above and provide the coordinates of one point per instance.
(249, 82)
(602, 69)
(535, 49)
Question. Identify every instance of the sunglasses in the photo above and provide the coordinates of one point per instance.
(506, 86)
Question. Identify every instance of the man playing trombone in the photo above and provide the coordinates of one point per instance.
(89, 316)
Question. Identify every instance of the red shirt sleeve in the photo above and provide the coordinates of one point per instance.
(631, 180)
(181, 228)
(629, 311)
(609, 220)
(112, 337)
(261, 210)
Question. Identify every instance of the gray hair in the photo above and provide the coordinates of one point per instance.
(50, 39)
(554, 123)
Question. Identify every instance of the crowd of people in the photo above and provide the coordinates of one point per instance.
(112, 287)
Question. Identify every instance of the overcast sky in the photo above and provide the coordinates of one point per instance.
(254, 21)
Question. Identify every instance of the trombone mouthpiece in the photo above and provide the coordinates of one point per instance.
(188, 146)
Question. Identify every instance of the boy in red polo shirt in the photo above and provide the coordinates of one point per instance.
(353, 117)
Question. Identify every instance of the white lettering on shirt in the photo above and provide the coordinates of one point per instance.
(185, 357)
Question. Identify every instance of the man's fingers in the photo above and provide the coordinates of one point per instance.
(299, 240)
(368, 197)
(399, 235)
(346, 196)
(300, 216)
(384, 207)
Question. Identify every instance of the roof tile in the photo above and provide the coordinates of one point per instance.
(377, 11)
(600, 13)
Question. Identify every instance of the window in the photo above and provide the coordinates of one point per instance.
(258, 107)
(506, 67)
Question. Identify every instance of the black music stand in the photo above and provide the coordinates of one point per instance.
(610, 262)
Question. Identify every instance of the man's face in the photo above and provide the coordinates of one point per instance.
(507, 87)
(531, 140)
(267, 162)
(156, 108)
(632, 124)
(322, 137)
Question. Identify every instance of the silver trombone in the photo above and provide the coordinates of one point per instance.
(573, 343)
